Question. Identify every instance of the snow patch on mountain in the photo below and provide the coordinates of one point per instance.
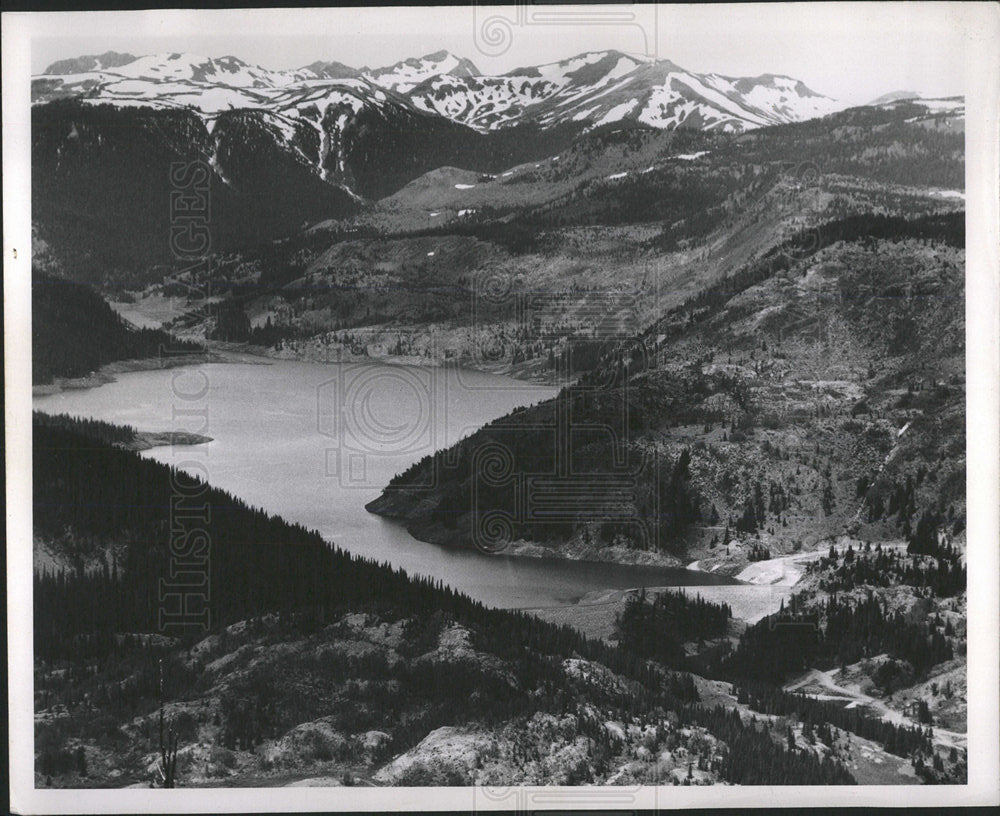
(617, 112)
(948, 105)
(947, 194)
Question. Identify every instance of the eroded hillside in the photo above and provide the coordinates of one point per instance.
(801, 398)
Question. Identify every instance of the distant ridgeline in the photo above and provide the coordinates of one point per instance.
(946, 228)
(87, 490)
(693, 197)
(74, 332)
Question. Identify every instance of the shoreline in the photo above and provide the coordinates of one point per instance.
(521, 373)
(106, 373)
(759, 587)
(246, 354)
(764, 585)
(621, 556)
(522, 548)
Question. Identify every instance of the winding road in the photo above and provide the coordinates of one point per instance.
(854, 696)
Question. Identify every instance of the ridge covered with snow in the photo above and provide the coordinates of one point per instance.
(590, 90)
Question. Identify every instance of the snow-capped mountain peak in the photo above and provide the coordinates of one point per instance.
(583, 67)
(228, 70)
(407, 74)
(602, 87)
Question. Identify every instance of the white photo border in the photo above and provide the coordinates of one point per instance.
(979, 24)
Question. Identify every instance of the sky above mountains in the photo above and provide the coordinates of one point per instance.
(853, 52)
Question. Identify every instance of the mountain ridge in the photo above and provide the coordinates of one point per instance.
(592, 88)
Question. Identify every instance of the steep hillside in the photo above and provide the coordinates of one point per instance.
(782, 405)
(508, 271)
(101, 174)
(383, 148)
(102, 186)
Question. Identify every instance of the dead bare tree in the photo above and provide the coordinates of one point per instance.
(168, 745)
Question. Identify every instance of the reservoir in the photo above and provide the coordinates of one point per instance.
(315, 442)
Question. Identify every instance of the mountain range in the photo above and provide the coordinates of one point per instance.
(589, 90)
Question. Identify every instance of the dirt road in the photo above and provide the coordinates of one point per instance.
(824, 679)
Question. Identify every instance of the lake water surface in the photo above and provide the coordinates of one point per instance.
(315, 442)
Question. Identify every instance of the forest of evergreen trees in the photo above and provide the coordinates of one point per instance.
(109, 432)
(104, 198)
(928, 566)
(837, 633)
(653, 515)
(516, 237)
(657, 627)
(876, 143)
(74, 332)
(754, 756)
